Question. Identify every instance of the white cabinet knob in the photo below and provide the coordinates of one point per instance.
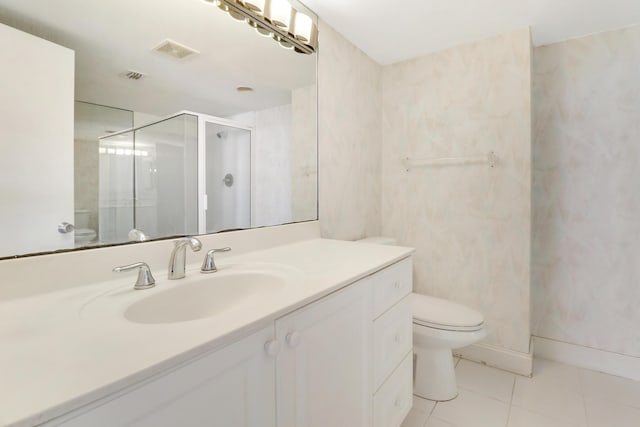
(272, 347)
(293, 339)
(398, 402)
(396, 284)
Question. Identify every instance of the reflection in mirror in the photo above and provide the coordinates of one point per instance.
(148, 180)
(148, 125)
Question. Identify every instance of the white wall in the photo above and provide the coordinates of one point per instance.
(350, 142)
(272, 164)
(586, 236)
(272, 157)
(470, 224)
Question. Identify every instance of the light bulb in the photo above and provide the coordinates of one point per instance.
(303, 27)
(280, 13)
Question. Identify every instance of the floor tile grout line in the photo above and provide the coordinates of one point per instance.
(584, 409)
(430, 413)
(513, 390)
(479, 393)
(581, 384)
(433, 409)
(517, 375)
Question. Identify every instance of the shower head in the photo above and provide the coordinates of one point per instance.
(222, 134)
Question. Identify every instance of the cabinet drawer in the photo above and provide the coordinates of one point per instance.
(394, 400)
(391, 285)
(392, 340)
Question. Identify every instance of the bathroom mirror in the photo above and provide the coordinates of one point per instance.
(124, 121)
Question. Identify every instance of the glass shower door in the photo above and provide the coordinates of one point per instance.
(227, 177)
(166, 177)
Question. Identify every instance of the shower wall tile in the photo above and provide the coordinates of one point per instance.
(350, 139)
(586, 193)
(470, 224)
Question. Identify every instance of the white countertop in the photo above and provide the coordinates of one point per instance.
(57, 353)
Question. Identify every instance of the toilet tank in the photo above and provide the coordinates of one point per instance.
(379, 240)
(82, 217)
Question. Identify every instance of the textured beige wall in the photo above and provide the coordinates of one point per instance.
(304, 154)
(350, 141)
(470, 224)
(586, 239)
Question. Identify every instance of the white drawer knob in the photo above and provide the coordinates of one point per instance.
(272, 347)
(398, 403)
(293, 339)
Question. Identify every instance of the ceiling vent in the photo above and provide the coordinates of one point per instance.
(133, 75)
(175, 49)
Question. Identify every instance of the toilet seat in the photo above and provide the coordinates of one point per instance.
(446, 315)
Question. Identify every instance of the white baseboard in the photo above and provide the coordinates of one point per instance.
(498, 357)
(589, 358)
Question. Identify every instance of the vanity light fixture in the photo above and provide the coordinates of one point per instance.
(277, 19)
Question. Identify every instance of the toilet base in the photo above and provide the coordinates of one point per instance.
(434, 374)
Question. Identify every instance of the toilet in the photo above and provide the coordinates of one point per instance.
(83, 234)
(439, 326)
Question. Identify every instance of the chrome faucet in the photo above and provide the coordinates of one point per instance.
(178, 257)
(145, 278)
(209, 266)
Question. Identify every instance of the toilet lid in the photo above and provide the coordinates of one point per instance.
(442, 314)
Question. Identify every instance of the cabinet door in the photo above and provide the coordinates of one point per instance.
(324, 370)
(233, 387)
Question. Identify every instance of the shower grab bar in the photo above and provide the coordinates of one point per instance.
(491, 159)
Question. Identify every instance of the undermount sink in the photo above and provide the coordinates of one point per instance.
(204, 297)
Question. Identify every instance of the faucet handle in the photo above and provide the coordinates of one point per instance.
(145, 278)
(209, 266)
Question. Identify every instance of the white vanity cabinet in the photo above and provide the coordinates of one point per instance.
(346, 361)
(392, 344)
(232, 387)
(341, 361)
(325, 364)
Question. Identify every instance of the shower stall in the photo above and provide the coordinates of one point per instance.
(187, 174)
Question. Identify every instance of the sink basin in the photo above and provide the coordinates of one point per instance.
(205, 296)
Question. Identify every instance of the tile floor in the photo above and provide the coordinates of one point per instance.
(557, 396)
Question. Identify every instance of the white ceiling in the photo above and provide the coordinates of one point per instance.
(392, 31)
(112, 36)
